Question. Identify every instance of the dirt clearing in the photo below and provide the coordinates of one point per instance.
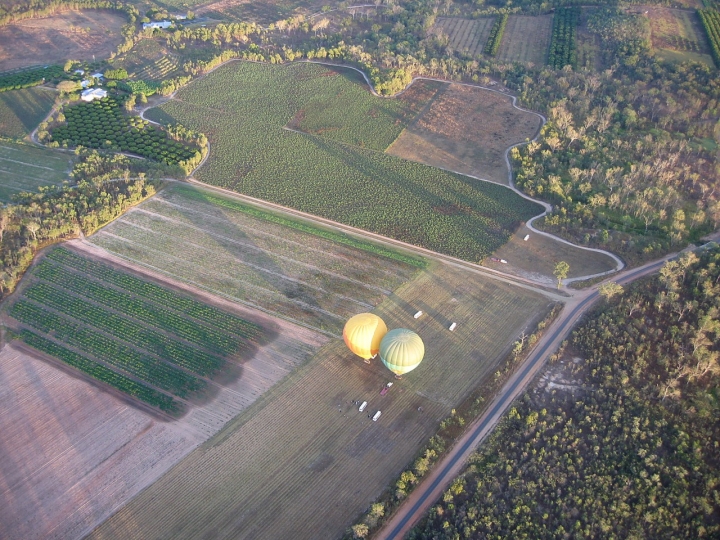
(80, 35)
(535, 258)
(467, 129)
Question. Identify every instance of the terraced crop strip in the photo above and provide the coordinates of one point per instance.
(466, 35)
(22, 110)
(145, 340)
(26, 168)
(328, 174)
(311, 276)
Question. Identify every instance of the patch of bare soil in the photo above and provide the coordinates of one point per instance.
(467, 129)
(71, 453)
(80, 35)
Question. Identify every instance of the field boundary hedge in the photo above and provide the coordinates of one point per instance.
(496, 34)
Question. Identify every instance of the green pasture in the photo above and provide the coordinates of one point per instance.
(22, 110)
(26, 168)
(338, 172)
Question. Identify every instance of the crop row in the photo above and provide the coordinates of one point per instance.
(121, 328)
(563, 42)
(711, 22)
(158, 317)
(496, 34)
(185, 304)
(102, 373)
(111, 352)
(99, 122)
(30, 77)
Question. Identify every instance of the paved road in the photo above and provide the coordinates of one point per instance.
(436, 482)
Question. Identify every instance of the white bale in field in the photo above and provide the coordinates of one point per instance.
(418, 314)
(503, 261)
(452, 327)
(527, 237)
(377, 415)
(362, 407)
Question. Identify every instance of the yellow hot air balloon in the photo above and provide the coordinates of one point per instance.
(401, 350)
(362, 334)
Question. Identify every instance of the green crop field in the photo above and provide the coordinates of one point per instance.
(315, 277)
(143, 339)
(251, 153)
(25, 168)
(303, 463)
(22, 110)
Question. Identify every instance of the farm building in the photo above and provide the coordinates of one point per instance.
(93, 93)
(97, 75)
(160, 24)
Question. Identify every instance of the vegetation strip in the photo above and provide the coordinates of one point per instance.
(711, 23)
(563, 41)
(496, 34)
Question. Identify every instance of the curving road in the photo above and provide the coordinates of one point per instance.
(426, 493)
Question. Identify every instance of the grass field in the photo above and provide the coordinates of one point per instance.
(147, 341)
(304, 463)
(526, 39)
(22, 110)
(465, 35)
(229, 249)
(53, 40)
(678, 35)
(25, 168)
(251, 153)
(446, 134)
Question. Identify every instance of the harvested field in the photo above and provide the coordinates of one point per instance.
(25, 168)
(304, 463)
(184, 233)
(465, 35)
(22, 110)
(535, 258)
(526, 39)
(254, 153)
(678, 35)
(468, 130)
(79, 35)
(72, 453)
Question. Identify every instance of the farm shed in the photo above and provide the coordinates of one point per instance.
(160, 24)
(93, 93)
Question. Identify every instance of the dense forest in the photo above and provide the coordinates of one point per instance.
(631, 451)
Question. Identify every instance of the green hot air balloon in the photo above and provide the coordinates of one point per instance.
(401, 350)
